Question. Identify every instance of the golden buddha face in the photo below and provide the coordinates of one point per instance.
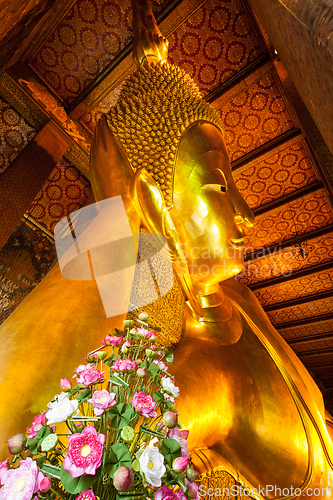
(208, 211)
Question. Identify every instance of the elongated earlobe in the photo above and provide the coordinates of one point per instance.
(149, 202)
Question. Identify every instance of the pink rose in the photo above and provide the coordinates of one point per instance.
(165, 493)
(88, 375)
(180, 436)
(102, 400)
(27, 475)
(86, 495)
(145, 404)
(112, 340)
(124, 365)
(37, 424)
(85, 451)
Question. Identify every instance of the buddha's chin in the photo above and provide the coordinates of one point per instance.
(220, 272)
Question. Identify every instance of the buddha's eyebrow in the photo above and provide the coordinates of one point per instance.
(209, 156)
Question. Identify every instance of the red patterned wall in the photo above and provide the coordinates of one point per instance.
(90, 35)
(253, 117)
(282, 173)
(309, 213)
(283, 262)
(214, 43)
(301, 287)
(65, 191)
(301, 311)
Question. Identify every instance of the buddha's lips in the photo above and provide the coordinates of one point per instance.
(237, 244)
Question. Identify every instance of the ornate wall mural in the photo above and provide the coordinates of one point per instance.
(24, 261)
(15, 134)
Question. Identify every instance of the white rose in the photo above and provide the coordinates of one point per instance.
(61, 410)
(170, 388)
(152, 465)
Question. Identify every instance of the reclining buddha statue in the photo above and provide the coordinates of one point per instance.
(252, 408)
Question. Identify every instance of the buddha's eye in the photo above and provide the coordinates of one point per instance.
(216, 180)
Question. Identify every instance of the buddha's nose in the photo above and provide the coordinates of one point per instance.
(242, 219)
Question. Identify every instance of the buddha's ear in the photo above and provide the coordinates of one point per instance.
(149, 202)
(111, 172)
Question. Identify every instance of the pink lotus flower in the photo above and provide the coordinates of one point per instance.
(124, 365)
(145, 404)
(84, 452)
(192, 490)
(37, 424)
(112, 340)
(161, 365)
(165, 494)
(92, 358)
(102, 400)
(16, 444)
(45, 484)
(88, 375)
(125, 346)
(179, 464)
(86, 495)
(123, 479)
(145, 333)
(65, 384)
(180, 436)
(21, 483)
(3, 468)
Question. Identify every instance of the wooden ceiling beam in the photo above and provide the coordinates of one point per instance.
(266, 148)
(288, 198)
(292, 275)
(316, 366)
(328, 375)
(301, 300)
(237, 78)
(317, 352)
(310, 338)
(275, 247)
(305, 321)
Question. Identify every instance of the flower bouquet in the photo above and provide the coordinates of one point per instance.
(114, 435)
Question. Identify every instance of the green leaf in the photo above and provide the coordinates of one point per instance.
(170, 450)
(169, 358)
(77, 484)
(120, 416)
(40, 461)
(83, 395)
(168, 404)
(158, 396)
(153, 369)
(120, 332)
(111, 359)
(33, 444)
(119, 456)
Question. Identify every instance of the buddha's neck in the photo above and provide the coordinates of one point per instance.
(220, 323)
